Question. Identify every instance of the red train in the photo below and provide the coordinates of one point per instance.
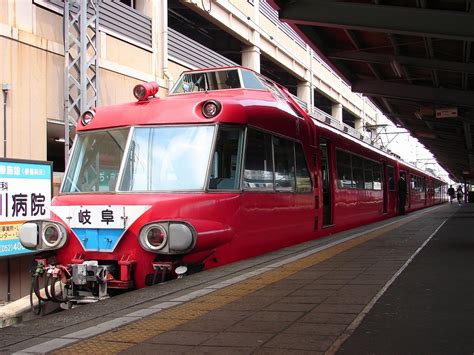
(227, 167)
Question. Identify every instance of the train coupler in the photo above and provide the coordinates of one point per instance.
(89, 282)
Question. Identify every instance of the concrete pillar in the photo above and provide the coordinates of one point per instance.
(304, 92)
(336, 111)
(359, 124)
(251, 58)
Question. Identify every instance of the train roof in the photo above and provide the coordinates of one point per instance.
(242, 97)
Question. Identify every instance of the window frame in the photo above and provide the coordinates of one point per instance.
(240, 158)
(274, 189)
(364, 166)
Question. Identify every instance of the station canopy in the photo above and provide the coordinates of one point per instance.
(413, 58)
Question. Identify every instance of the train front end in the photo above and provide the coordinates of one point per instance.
(133, 199)
(119, 221)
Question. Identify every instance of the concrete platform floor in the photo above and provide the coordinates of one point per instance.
(325, 296)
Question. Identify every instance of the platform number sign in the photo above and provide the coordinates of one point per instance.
(25, 194)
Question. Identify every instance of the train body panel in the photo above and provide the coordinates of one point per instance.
(213, 174)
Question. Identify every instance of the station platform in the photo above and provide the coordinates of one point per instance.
(402, 286)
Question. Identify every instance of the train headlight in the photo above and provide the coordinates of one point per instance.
(211, 108)
(51, 235)
(144, 91)
(87, 117)
(168, 237)
(155, 237)
(42, 235)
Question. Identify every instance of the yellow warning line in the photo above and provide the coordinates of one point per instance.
(114, 341)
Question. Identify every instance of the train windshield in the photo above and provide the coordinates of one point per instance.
(172, 158)
(210, 80)
(96, 160)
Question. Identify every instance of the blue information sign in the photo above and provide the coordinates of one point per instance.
(25, 194)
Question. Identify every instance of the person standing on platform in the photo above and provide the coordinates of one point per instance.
(459, 194)
(451, 194)
(402, 194)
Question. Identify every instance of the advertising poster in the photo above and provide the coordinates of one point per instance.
(25, 194)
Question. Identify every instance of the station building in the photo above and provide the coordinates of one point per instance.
(140, 41)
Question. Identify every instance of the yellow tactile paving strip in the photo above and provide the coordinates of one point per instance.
(114, 341)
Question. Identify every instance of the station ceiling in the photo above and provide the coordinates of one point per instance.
(413, 58)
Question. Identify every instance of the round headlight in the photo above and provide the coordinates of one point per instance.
(51, 235)
(146, 90)
(139, 92)
(156, 237)
(87, 117)
(211, 108)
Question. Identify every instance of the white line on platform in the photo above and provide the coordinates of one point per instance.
(356, 322)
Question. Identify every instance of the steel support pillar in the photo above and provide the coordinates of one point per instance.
(81, 62)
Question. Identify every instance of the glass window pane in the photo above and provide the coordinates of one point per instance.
(377, 176)
(391, 178)
(344, 172)
(357, 162)
(358, 178)
(225, 168)
(284, 164)
(258, 172)
(343, 157)
(251, 81)
(357, 172)
(168, 158)
(96, 161)
(207, 81)
(303, 179)
(368, 179)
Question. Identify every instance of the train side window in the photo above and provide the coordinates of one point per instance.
(377, 173)
(413, 182)
(303, 179)
(344, 171)
(368, 175)
(258, 171)
(357, 172)
(284, 164)
(391, 178)
(225, 167)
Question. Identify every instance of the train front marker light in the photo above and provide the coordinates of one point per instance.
(143, 92)
(87, 117)
(53, 235)
(154, 237)
(29, 235)
(211, 108)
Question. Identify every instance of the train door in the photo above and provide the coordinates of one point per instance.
(392, 192)
(408, 181)
(326, 181)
